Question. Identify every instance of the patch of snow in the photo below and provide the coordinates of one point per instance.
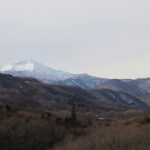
(24, 67)
(7, 68)
(36, 70)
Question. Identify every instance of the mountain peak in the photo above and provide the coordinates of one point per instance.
(43, 73)
(32, 68)
(26, 65)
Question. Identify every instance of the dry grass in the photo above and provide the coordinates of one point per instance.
(28, 130)
(127, 135)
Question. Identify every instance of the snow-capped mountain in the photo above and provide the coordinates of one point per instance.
(36, 70)
(46, 74)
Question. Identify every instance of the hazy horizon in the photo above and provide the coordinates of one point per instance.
(102, 38)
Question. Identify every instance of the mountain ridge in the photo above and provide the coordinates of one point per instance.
(31, 68)
(46, 74)
(43, 73)
(27, 92)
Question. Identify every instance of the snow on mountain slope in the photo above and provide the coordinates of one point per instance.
(121, 86)
(114, 96)
(84, 81)
(35, 69)
(46, 74)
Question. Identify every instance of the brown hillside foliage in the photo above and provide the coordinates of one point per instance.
(129, 134)
(70, 130)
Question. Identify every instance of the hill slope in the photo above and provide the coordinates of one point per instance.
(119, 85)
(36, 70)
(28, 92)
(84, 81)
(117, 97)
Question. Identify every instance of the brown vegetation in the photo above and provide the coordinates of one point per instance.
(128, 134)
(71, 130)
(29, 130)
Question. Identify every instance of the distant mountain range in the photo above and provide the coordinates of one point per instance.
(140, 88)
(121, 86)
(118, 97)
(84, 81)
(49, 75)
(28, 92)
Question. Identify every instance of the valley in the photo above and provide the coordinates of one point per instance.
(46, 109)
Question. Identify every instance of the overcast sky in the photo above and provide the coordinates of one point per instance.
(106, 38)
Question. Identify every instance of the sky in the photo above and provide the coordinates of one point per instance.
(105, 38)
